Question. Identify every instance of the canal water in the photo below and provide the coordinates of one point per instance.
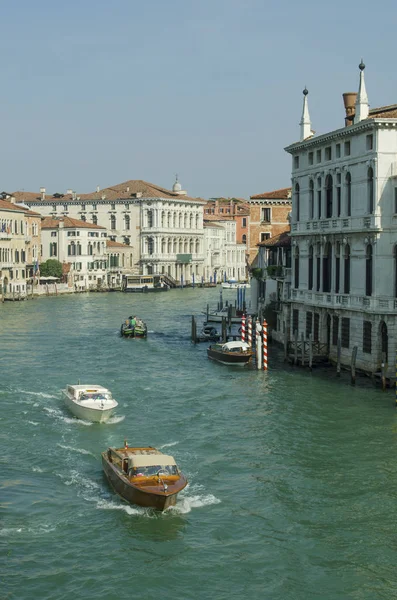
(292, 476)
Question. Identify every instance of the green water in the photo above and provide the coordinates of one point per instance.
(292, 477)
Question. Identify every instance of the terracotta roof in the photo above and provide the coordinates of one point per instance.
(281, 240)
(283, 194)
(7, 205)
(68, 223)
(111, 244)
(124, 191)
(384, 112)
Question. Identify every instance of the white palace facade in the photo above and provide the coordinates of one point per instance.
(344, 234)
(164, 228)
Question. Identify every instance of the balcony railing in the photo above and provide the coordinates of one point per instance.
(339, 224)
(354, 302)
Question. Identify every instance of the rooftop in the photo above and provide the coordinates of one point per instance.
(282, 194)
(281, 240)
(68, 223)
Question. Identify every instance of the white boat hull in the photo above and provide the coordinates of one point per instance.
(88, 413)
(235, 286)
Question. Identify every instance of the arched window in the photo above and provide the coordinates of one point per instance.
(78, 252)
(319, 199)
(163, 246)
(244, 239)
(95, 219)
(150, 218)
(83, 218)
(370, 190)
(368, 271)
(348, 185)
(328, 196)
(90, 249)
(327, 267)
(310, 285)
(346, 283)
(311, 199)
(150, 245)
(72, 249)
(337, 267)
(113, 222)
(127, 221)
(297, 202)
(296, 268)
(318, 267)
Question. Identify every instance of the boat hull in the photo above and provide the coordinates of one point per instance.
(96, 415)
(132, 494)
(235, 359)
(213, 318)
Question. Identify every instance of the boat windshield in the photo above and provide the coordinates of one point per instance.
(153, 470)
(94, 396)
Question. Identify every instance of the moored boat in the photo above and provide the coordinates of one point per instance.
(235, 353)
(134, 327)
(143, 476)
(227, 312)
(89, 402)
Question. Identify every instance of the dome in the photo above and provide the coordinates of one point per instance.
(177, 186)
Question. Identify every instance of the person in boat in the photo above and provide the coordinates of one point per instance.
(132, 322)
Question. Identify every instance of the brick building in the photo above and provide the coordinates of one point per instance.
(269, 216)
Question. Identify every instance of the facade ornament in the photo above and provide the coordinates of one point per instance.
(362, 107)
(305, 124)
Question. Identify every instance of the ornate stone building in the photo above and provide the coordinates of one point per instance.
(344, 233)
(164, 228)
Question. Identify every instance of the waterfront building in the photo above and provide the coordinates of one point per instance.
(234, 209)
(224, 257)
(79, 243)
(269, 216)
(164, 228)
(344, 233)
(119, 262)
(271, 282)
(19, 247)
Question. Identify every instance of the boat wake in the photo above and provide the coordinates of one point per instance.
(186, 503)
(167, 445)
(114, 420)
(78, 450)
(41, 394)
(57, 414)
(129, 509)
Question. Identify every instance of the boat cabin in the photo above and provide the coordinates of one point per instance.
(83, 392)
(236, 346)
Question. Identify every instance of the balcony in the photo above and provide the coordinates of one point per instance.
(4, 235)
(339, 225)
(278, 272)
(346, 301)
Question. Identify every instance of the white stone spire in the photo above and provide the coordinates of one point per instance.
(306, 128)
(362, 106)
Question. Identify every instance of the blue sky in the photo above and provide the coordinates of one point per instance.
(98, 92)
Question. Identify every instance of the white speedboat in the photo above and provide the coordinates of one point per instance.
(232, 284)
(89, 402)
(216, 316)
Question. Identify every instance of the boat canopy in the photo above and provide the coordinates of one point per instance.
(235, 346)
(149, 460)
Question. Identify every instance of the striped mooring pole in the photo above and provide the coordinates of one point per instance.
(264, 330)
(249, 331)
(243, 328)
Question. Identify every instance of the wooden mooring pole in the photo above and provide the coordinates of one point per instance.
(353, 365)
(310, 352)
(383, 371)
(303, 349)
(194, 330)
(296, 347)
(338, 355)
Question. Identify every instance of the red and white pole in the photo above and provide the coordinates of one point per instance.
(243, 328)
(249, 330)
(258, 345)
(264, 330)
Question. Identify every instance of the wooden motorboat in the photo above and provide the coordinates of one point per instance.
(143, 476)
(208, 334)
(89, 402)
(231, 353)
(137, 330)
(227, 312)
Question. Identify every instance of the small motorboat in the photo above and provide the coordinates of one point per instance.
(89, 402)
(143, 476)
(209, 334)
(233, 284)
(231, 353)
(216, 316)
(139, 329)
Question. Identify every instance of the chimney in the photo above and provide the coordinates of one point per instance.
(42, 192)
(349, 100)
(231, 207)
(69, 191)
(97, 188)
